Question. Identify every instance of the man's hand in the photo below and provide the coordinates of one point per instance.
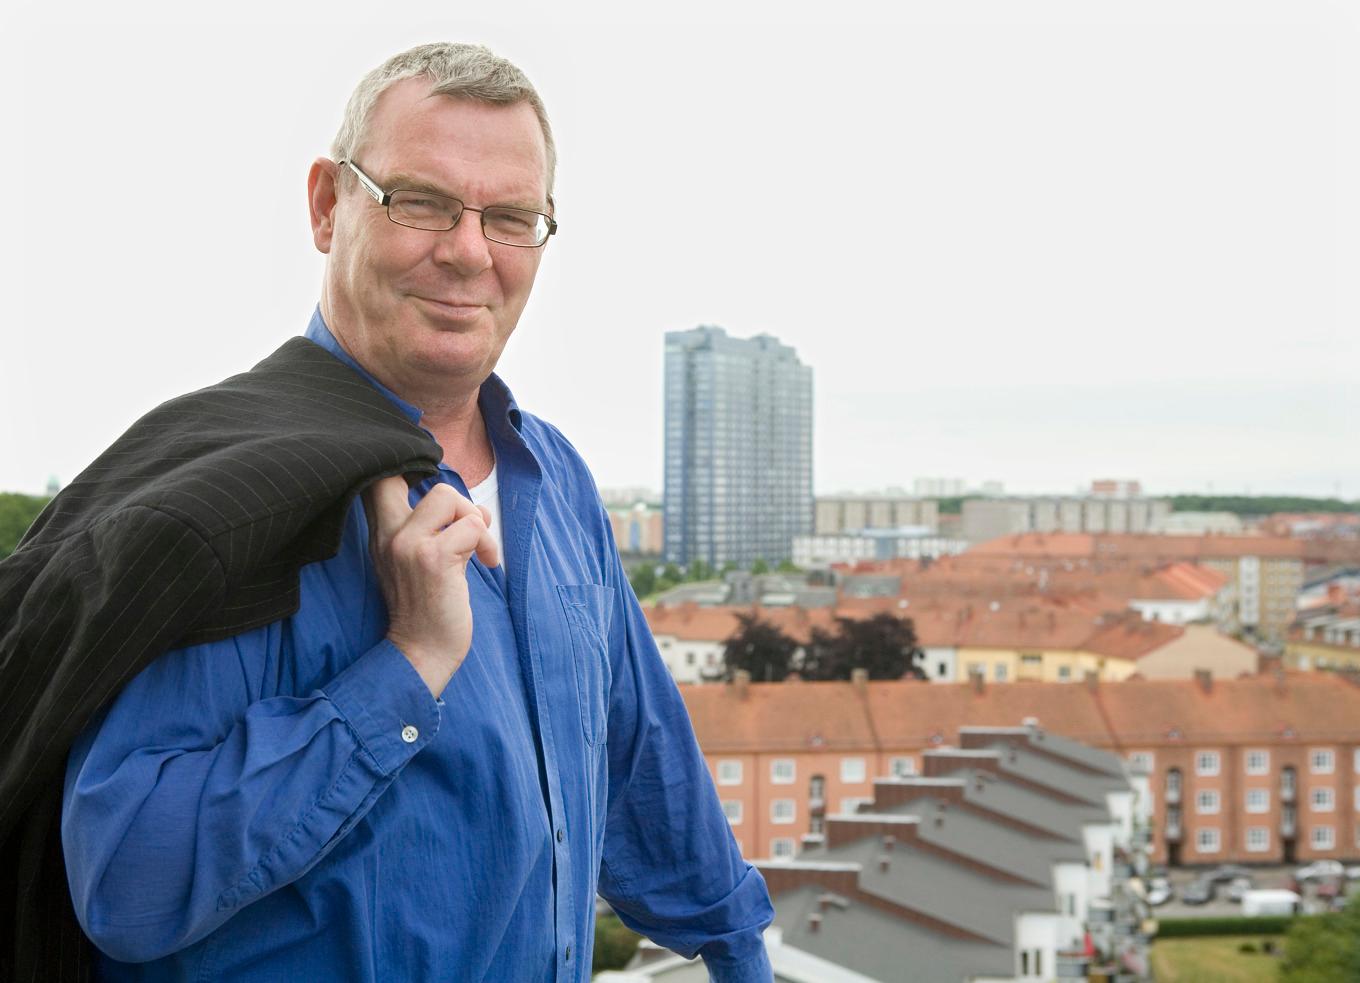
(421, 555)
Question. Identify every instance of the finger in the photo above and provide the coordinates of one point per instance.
(442, 506)
(387, 503)
(470, 535)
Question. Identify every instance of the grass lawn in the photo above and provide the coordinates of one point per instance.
(1213, 960)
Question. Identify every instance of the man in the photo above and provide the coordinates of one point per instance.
(426, 772)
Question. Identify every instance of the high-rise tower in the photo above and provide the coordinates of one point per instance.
(738, 448)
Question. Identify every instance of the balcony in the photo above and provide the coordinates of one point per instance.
(1172, 833)
(1288, 827)
(1286, 793)
(1173, 793)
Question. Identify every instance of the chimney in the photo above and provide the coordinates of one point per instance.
(978, 680)
(814, 921)
(889, 841)
(860, 679)
(883, 861)
(741, 681)
(1092, 680)
(1205, 679)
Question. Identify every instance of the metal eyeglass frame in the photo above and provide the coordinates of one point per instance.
(384, 198)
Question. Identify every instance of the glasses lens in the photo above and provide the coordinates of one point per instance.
(515, 226)
(421, 211)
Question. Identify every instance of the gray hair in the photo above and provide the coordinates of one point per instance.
(466, 71)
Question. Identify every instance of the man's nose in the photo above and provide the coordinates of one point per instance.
(463, 247)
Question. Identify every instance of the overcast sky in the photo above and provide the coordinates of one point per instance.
(1124, 237)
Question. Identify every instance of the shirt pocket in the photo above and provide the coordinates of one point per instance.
(588, 608)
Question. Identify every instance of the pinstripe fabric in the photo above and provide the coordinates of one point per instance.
(191, 527)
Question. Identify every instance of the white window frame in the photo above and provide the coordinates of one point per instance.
(1322, 799)
(1262, 797)
(781, 847)
(783, 811)
(1262, 835)
(1208, 840)
(1318, 834)
(776, 769)
(849, 771)
(1355, 760)
(1263, 765)
(729, 771)
(1207, 763)
(903, 767)
(732, 810)
(1208, 802)
(1356, 790)
(1147, 759)
(1321, 761)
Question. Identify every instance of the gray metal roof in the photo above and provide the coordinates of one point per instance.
(991, 843)
(874, 943)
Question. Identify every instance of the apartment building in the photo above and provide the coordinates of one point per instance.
(1326, 639)
(738, 448)
(989, 518)
(903, 542)
(837, 514)
(1264, 573)
(637, 529)
(1259, 769)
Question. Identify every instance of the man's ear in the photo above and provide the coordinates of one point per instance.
(321, 197)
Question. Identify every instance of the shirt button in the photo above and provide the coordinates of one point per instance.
(568, 953)
(561, 836)
(409, 734)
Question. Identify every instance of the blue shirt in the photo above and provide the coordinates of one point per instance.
(291, 804)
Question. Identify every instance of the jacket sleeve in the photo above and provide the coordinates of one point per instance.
(193, 796)
(671, 867)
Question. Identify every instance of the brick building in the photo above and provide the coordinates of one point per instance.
(1259, 769)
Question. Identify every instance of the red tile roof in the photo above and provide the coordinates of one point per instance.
(1293, 707)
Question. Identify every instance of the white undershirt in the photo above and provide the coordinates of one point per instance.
(487, 495)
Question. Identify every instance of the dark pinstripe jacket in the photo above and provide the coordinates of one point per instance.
(191, 527)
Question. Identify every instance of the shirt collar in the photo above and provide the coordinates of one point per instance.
(496, 400)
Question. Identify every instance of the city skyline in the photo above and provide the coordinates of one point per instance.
(1118, 240)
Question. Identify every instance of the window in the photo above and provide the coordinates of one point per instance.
(1357, 801)
(852, 770)
(732, 810)
(782, 771)
(729, 772)
(905, 767)
(1323, 799)
(1321, 761)
(1143, 761)
(1206, 840)
(1323, 838)
(1355, 764)
(781, 847)
(942, 670)
(1206, 802)
(1258, 800)
(781, 810)
(1258, 839)
(1206, 763)
(817, 788)
(1064, 672)
(1258, 762)
(1000, 672)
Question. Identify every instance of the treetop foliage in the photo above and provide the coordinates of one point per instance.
(17, 513)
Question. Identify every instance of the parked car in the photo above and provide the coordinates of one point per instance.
(1353, 873)
(1319, 869)
(1198, 892)
(1329, 889)
(1159, 891)
(1239, 886)
(1224, 873)
(1270, 903)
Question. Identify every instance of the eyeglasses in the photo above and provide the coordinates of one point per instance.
(505, 224)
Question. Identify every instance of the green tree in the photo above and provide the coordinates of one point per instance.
(615, 944)
(884, 645)
(17, 513)
(643, 578)
(1323, 948)
(760, 566)
(788, 566)
(760, 648)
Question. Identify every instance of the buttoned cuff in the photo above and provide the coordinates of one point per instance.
(386, 704)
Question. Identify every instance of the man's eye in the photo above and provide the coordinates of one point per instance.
(506, 221)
